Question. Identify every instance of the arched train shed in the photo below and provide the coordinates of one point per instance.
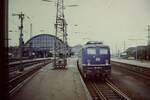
(42, 46)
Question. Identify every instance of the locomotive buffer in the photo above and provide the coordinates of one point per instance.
(60, 51)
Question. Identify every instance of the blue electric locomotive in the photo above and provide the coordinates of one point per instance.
(94, 60)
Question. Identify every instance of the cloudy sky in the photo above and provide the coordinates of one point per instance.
(110, 21)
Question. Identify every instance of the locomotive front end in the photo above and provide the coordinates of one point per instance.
(96, 61)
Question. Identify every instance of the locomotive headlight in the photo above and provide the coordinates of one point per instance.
(106, 62)
(88, 61)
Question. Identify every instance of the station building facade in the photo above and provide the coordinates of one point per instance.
(43, 46)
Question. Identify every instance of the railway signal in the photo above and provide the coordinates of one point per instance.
(21, 42)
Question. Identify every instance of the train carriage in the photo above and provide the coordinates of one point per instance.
(94, 60)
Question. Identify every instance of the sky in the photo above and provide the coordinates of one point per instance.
(115, 22)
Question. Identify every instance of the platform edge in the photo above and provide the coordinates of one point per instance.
(85, 89)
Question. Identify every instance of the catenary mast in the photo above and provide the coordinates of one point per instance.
(60, 51)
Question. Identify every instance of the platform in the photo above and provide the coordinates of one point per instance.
(133, 62)
(49, 84)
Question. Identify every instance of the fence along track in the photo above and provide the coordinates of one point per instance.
(106, 91)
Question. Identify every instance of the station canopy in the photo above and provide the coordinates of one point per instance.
(42, 42)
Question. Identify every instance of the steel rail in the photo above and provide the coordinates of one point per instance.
(137, 70)
(28, 61)
(13, 83)
(99, 93)
(114, 92)
(115, 89)
(13, 68)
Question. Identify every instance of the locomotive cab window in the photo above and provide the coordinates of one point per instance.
(103, 51)
(91, 51)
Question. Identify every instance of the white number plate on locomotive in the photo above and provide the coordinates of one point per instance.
(98, 59)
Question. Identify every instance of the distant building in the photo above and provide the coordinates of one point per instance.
(148, 52)
(75, 49)
(143, 52)
(131, 51)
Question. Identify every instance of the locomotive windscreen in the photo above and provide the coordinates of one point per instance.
(103, 51)
(91, 51)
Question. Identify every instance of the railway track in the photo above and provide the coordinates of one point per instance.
(17, 82)
(105, 91)
(136, 70)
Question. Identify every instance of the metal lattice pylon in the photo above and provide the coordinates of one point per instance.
(60, 57)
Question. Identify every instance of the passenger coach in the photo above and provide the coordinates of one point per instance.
(94, 60)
